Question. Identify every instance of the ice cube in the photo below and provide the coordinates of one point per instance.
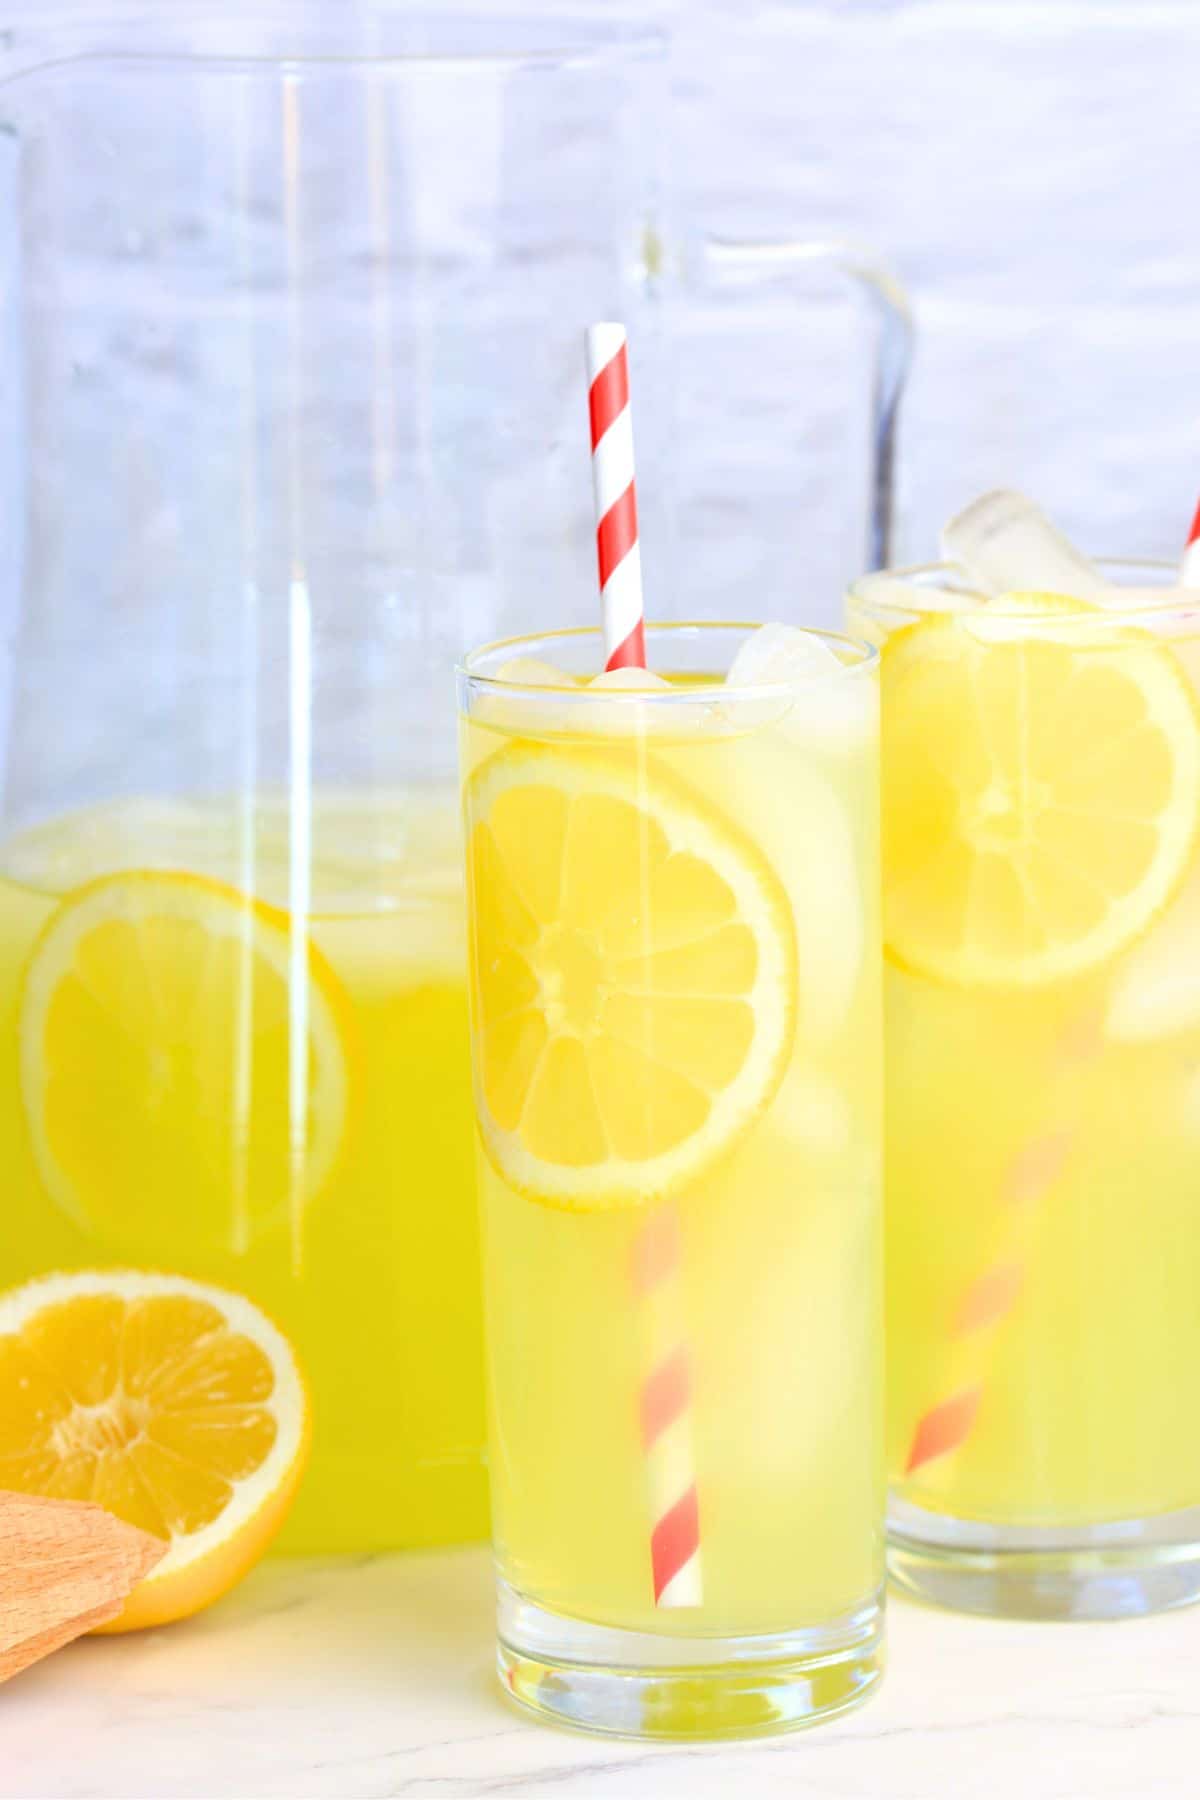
(880, 604)
(1189, 1102)
(915, 597)
(522, 710)
(1156, 992)
(628, 679)
(778, 784)
(776, 655)
(1167, 605)
(619, 713)
(1013, 618)
(531, 671)
(1170, 612)
(814, 1111)
(830, 711)
(1004, 542)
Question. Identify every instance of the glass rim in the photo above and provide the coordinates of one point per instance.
(895, 612)
(572, 40)
(865, 658)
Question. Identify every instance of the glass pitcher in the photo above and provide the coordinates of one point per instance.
(291, 349)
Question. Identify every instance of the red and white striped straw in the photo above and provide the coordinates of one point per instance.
(616, 497)
(1189, 568)
(666, 1412)
(987, 1302)
(656, 1275)
(985, 1305)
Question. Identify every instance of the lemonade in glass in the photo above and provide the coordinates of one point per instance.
(676, 1035)
(1041, 869)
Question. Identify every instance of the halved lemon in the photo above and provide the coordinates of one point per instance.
(1041, 791)
(184, 1063)
(634, 975)
(177, 1406)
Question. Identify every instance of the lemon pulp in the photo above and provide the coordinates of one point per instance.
(177, 1406)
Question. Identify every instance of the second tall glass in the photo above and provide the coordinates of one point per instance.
(674, 979)
(1041, 800)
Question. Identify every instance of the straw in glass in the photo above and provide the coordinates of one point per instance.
(656, 1276)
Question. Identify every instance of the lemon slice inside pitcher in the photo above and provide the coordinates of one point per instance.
(184, 1064)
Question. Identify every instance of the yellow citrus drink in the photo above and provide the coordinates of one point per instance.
(676, 1022)
(235, 1049)
(1042, 928)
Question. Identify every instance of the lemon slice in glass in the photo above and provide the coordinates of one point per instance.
(634, 975)
(1041, 791)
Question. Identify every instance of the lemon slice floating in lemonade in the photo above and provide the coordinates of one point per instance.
(634, 974)
(1041, 790)
(177, 1406)
(184, 1064)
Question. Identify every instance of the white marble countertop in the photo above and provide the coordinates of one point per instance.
(372, 1677)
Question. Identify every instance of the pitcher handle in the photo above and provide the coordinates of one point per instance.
(886, 295)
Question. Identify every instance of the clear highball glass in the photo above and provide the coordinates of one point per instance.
(674, 973)
(1041, 799)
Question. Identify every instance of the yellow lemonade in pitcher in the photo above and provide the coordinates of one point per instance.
(238, 1053)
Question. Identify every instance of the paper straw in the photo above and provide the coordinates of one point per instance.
(615, 494)
(656, 1274)
(666, 1412)
(988, 1301)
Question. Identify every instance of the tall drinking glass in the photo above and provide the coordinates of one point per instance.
(1041, 800)
(675, 997)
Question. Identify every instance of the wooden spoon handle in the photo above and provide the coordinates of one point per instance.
(65, 1566)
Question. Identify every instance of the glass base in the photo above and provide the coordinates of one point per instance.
(1117, 1570)
(649, 1685)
